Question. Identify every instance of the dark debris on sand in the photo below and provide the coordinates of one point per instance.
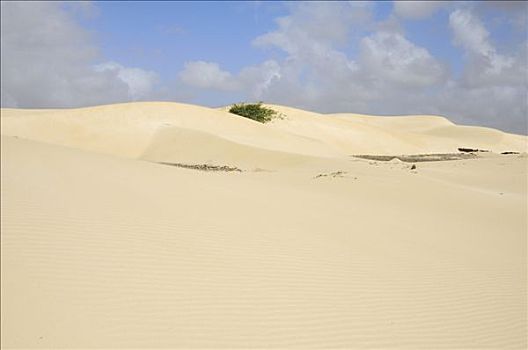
(469, 150)
(334, 174)
(413, 158)
(204, 167)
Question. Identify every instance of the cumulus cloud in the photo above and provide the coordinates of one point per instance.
(254, 80)
(316, 26)
(207, 75)
(390, 56)
(258, 79)
(140, 82)
(416, 9)
(493, 86)
(486, 65)
(470, 33)
(47, 60)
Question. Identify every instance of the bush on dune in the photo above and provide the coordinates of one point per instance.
(254, 111)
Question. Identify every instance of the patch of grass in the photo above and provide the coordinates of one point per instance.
(254, 111)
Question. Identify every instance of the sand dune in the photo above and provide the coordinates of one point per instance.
(103, 247)
(354, 133)
(130, 129)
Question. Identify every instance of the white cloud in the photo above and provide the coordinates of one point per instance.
(316, 26)
(47, 60)
(470, 33)
(391, 57)
(486, 66)
(493, 86)
(416, 9)
(140, 82)
(206, 75)
(254, 80)
(259, 78)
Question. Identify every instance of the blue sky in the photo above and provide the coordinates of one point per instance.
(164, 35)
(463, 60)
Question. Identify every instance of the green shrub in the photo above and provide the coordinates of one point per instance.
(254, 111)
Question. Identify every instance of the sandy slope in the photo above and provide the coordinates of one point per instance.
(128, 129)
(354, 133)
(101, 247)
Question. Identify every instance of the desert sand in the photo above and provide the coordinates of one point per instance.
(301, 245)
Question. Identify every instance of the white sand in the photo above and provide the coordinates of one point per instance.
(102, 247)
